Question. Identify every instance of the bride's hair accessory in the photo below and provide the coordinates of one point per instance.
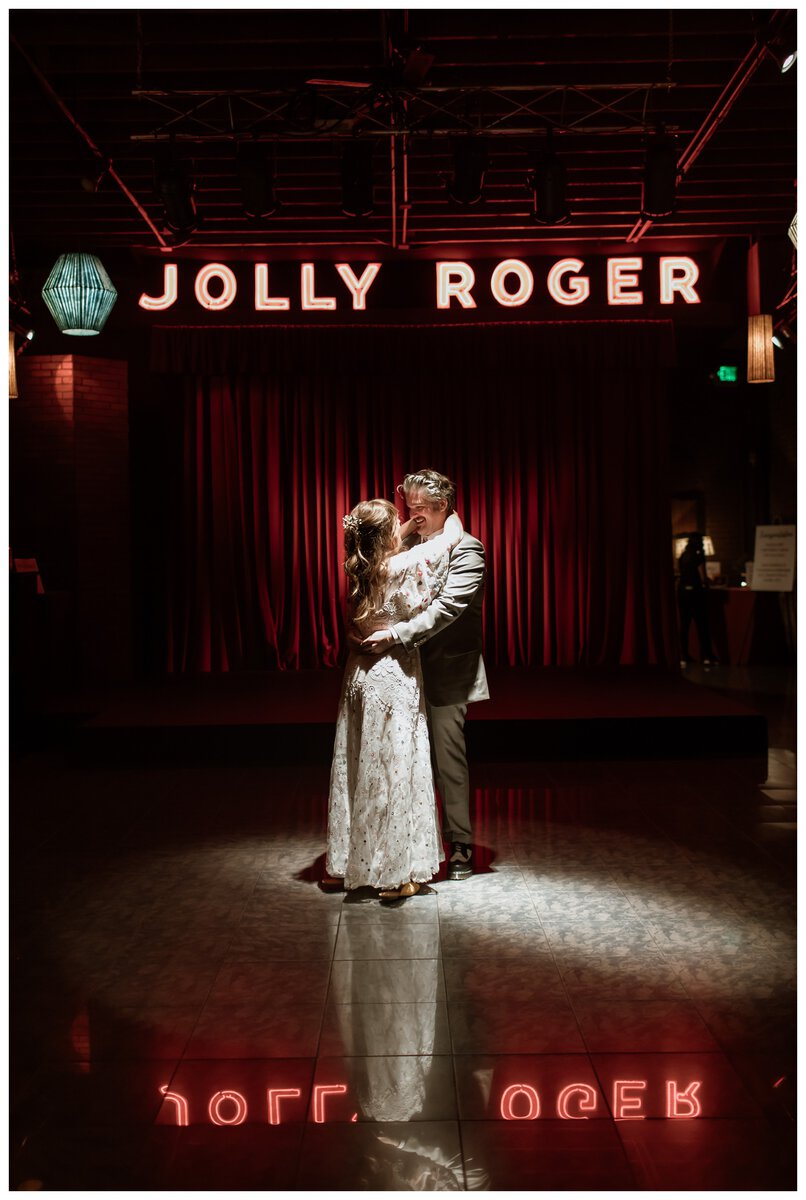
(351, 522)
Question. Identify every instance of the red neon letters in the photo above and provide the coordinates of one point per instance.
(511, 285)
(518, 1102)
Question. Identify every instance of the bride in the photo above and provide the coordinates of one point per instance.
(382, 824)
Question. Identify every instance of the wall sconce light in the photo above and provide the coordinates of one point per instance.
(79, 294)
(793, 231)
(760, 353)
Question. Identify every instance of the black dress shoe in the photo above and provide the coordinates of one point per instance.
(461, 861)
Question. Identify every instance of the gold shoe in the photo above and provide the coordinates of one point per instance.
(402, 893)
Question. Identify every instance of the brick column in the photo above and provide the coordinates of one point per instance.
(70, 497)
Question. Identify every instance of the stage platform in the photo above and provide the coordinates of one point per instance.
(534, 714)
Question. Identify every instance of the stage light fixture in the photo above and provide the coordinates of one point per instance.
(255, 170)
(411, 63)
(783, 51)
(782, 334)
(547, 183)
(659, 195)
(176, 190)
(469, 166)
(79, 294)
(357, 198)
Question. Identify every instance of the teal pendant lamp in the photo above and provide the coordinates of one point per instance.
(79, 294)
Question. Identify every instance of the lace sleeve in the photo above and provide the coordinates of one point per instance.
(417, 576)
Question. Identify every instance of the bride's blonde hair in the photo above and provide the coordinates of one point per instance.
(368, 540)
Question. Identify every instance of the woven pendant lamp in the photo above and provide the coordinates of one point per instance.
(79, 294)
(12, 368)
(760, 354)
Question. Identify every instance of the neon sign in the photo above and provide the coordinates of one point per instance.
(517, 1102)
(629, 281)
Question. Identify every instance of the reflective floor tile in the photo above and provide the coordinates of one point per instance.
(146, 1031)
(550, 1155)
(363, 905)
(748, 1023)
(481, 937)
(649, 977)
(105, 1094)
(722, 1155)
(503, 1026)
(384, 1088)
(162, 980)
(378, 980)
(701, 1086)
(271, 1027)
(303, 982)
(419, 1156)
(642, 1025)
(510, 1087)
(221, 1092)
(578, 941)
(263, 941)
(530, 977)
(279, 907)
(248, 1157)
(361, 939)
(519, 905)
(89, 1158)
(390, 1029)
(770, 1077)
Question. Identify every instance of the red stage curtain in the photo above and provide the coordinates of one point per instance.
(554, 433)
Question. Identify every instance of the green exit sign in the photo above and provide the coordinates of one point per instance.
(727, 374)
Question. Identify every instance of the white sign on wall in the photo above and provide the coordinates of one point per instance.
(774, 559)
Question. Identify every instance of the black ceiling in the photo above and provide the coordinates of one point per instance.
(196, 83)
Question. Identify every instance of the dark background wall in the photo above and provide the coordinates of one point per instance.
(83, 500)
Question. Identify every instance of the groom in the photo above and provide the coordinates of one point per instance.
(448, 634)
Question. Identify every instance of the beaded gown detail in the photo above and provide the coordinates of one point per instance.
(382, 822)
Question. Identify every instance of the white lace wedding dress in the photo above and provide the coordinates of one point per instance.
(382, 822)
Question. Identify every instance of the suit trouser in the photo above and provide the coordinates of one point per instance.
(446, 725)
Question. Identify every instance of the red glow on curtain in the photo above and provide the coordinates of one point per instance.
(555, 435)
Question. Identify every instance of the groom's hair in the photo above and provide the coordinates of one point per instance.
(437, 487)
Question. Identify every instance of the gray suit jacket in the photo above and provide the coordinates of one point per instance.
(448, 632)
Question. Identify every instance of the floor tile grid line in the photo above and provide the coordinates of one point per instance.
(462, 1150)
(570, 998)
(743, 837)
(454, 1055)
(222, 963)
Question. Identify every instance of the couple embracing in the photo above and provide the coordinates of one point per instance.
(415, 601)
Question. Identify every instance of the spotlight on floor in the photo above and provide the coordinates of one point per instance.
(659, 196)
(469, 166)
(357, 193)
(547, 184)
